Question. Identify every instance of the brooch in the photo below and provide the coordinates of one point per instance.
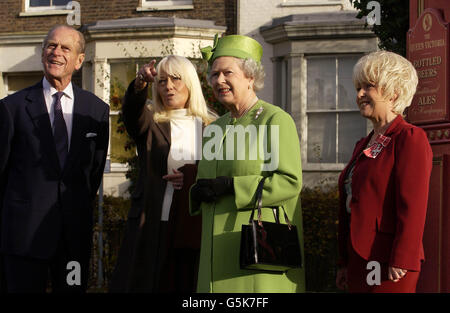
(259, 112)
(380, 143)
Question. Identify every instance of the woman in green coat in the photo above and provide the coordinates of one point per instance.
(253, 140)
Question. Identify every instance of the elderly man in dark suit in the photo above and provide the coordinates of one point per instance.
(54, 141)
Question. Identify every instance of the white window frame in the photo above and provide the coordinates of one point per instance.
(44, 10)
(309, 166)
(165, 5)
(7, 90)
(6, 77)
(115, 167)
(304, 3)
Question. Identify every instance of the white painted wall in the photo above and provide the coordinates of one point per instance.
(137, 48)
(20, 58)
(252, 14)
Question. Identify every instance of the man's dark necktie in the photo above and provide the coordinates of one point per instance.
(60, 130)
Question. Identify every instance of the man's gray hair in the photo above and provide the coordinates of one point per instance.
(81, 42)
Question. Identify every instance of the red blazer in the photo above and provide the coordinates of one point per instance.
(389, 199)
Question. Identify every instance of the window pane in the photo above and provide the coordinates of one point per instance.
(39, 3)
(346, 89)
(61, 2)
(352, 127)
(121, 76)
(18, 82)
(118, 143)
(322, 137)
(321, 83)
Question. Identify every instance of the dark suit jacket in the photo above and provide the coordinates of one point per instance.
(141, 271)
(389, 199)
(42, 202)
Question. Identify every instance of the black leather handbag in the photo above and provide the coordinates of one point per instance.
(267, 246)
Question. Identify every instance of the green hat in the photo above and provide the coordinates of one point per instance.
(238, 46)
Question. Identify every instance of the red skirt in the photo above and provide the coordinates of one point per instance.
(357, 274)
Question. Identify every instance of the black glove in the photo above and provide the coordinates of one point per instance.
(221, 185)
(202, 193)
(208, 190)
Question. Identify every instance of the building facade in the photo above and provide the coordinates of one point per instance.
(310, 48)
(121, 36)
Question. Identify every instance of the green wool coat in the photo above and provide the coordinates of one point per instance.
(219, 269)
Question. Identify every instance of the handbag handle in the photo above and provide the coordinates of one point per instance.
(258, 205)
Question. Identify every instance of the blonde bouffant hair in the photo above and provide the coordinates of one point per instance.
(178, 66)
(394, 74)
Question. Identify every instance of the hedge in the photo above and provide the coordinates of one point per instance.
(320, 207)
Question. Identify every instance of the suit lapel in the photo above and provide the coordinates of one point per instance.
(37, 110)
(165, 130)
(360, 146)
(363, 144)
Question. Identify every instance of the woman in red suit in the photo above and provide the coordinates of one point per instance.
(384, 188)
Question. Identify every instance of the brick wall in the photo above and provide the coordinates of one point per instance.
(223, 12)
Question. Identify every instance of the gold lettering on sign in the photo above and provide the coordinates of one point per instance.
(427, 90)
(431, 72)
(427, 61)
(427, 100)
(416, 46)
(434, 43)
(430, 44)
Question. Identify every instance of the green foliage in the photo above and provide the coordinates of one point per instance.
(320, 218)
(394, 23)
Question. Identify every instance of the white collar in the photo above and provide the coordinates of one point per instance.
(178, 113)
(50, 90)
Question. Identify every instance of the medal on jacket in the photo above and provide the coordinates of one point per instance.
(380, 143)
